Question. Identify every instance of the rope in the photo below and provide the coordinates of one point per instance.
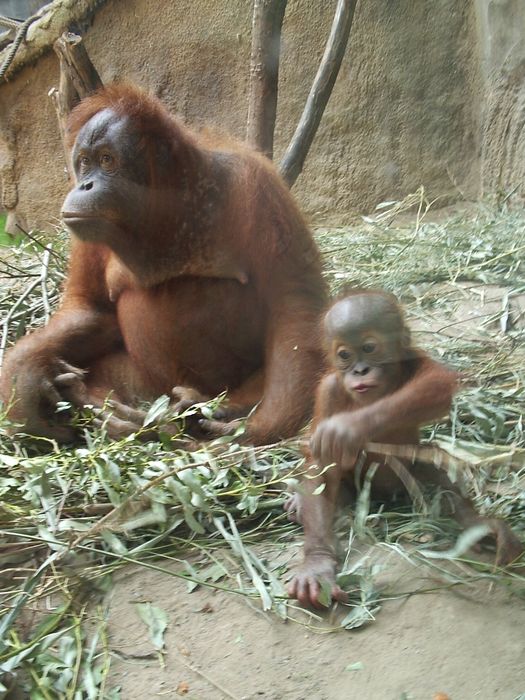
(20, 36)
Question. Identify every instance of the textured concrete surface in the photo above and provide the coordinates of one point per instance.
(501, 32)
(429, 93)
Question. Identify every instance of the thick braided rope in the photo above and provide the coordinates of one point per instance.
(20, 36)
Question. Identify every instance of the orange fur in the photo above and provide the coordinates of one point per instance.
(216, 280)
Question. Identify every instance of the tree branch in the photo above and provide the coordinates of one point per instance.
(293, 160)
(78, 78)
(264, 73)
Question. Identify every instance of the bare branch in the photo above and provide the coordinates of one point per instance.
(293, 160)
(78, 78)
(264, 73)
(75, 64)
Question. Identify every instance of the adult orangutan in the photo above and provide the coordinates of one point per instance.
(379, 388)
(190, 266)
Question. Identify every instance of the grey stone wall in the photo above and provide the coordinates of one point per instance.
(418, 99)
(501, 40)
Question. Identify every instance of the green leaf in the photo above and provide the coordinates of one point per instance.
(246, 556)
(192, 585)
(214, 573)
(325, 595)
(114, 543)
(362, 507)
(152, 516)
(157, 409)
(156, 621)
(347, 581)
(465, 541)
(6, 483)
(358, 666)
(359, 615)
(8, 460)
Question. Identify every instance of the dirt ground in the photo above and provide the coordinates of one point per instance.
(455, 643)
(462, 643)
(465, 643)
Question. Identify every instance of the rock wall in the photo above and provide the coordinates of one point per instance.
(409, 106)
(501, 37)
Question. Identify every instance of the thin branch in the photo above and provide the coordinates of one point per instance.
(58, 256)
(293, 161)
(10, 314)
(43, 283)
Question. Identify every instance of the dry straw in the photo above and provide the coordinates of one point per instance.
(69, 517)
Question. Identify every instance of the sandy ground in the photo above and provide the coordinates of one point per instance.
(466, 643)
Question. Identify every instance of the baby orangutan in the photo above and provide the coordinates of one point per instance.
(378, 388)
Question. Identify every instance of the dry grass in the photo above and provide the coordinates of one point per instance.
(70, 517)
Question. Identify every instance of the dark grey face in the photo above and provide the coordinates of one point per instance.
(111, 176)
(365, 334)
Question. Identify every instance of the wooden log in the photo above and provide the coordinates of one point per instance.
(264, 73)
(75, 64)
(78, 78)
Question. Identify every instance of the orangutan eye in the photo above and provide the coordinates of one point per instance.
(344, 354)
(106, 160)
(369, 346)
(83, 162)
